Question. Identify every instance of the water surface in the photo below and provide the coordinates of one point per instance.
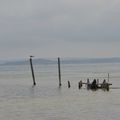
(19, 100)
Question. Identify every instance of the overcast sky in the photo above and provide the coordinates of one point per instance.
(65, 28)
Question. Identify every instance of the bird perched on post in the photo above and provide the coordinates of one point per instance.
(31, 56)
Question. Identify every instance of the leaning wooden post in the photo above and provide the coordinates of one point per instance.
(32, 70)
(59, 72)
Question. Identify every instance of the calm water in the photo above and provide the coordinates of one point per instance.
(20, 101)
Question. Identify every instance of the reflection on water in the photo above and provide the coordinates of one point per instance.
(19, 100)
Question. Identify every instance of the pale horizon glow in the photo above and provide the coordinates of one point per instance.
(65, 28)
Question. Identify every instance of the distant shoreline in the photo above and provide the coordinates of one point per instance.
(64, 61)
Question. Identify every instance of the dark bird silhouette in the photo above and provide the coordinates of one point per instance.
(31, 56)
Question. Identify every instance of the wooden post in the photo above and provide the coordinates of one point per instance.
(59, 72)
(69, 84)
(32, 70)
(80, 84)
(108, 77)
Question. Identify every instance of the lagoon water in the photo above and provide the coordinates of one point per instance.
(19, 100)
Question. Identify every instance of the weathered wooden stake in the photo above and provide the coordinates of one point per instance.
(108, 77)
(69, 84)
(32, 70)
(59, 72)
(80, 84)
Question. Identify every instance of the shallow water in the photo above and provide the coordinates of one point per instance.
(19, 100)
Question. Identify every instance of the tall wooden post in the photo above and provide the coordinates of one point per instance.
(32, 70)
(59, 72)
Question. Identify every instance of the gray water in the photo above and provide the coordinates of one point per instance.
(19, 100)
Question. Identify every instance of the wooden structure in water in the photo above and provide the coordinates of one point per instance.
(104, 86)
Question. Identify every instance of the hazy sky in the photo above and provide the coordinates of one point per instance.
(65, 28)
